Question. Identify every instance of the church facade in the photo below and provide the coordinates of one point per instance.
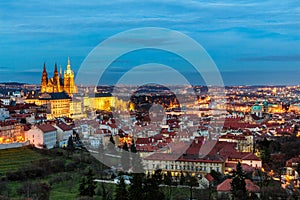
(59, 82)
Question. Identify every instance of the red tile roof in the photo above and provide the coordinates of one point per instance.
(233, 137)
(143, 140)
(250, 156)
(46, 128)
(209, 177)
(64, 127)
(113, 125)
(225, 186)
(292, 161)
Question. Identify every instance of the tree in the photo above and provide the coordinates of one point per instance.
(191, 182)
(133, 147)
(70, 145)
(39, 191)
(264, 147)
(136, 162)
(106, 195)
(4, 189)
(182, 178)
(111, 139)
(168, 181)
(121, 191)
(298, 167)
(238, 184)
(151, 188)
(216, 175)
(77, 138)
(87, 185)
(70, 142)
(136, 186)
(125, 146)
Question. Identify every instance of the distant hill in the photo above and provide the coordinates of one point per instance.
(12, 83)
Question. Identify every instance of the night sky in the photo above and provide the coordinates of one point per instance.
(251, 42)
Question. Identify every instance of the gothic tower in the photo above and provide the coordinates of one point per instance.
(44, 79)
(56, 81)
(69, 85)
(61, 79)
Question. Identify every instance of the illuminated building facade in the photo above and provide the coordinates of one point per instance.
(11, 132)
(59, 83)
(100, 101)
(58, 104)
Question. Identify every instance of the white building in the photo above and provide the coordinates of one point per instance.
(42, 136)
(4, 113)
(64, 131)
(177, 164)
(5, 100)
(94, 141)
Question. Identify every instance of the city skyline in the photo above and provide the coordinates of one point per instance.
(251, 43)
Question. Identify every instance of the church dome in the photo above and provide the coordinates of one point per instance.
(265, 103)
(256, 108)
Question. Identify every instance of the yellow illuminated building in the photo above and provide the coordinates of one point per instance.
(100, 101)
(76, 109)
(58, 104)
(59, 83)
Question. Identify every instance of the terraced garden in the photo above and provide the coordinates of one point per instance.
(15, 158)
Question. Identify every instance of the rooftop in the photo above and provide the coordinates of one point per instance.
(46, 128)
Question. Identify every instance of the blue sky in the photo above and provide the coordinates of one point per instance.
(251, 42)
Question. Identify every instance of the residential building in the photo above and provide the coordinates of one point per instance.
(42, 136)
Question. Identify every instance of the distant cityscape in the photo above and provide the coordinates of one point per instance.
(174, 129)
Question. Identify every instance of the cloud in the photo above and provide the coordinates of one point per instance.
(228, 29)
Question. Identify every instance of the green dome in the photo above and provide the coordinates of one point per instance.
(265, 103)
(256, 108)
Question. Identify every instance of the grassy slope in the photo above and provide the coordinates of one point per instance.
(13, 159)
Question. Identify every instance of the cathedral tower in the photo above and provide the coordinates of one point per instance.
(44, 79)
(56, 81)
(69, 85)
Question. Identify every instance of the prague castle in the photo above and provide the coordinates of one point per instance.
(57, 92)
(59, 83)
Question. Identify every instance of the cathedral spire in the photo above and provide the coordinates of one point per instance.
(44, 67)
(55, 68)
(44, 80)
(60, 71)
(69, 64)
(56, 81)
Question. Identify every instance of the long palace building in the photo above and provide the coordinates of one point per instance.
(59, 83)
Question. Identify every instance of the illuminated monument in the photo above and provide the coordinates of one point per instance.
(59, 83)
